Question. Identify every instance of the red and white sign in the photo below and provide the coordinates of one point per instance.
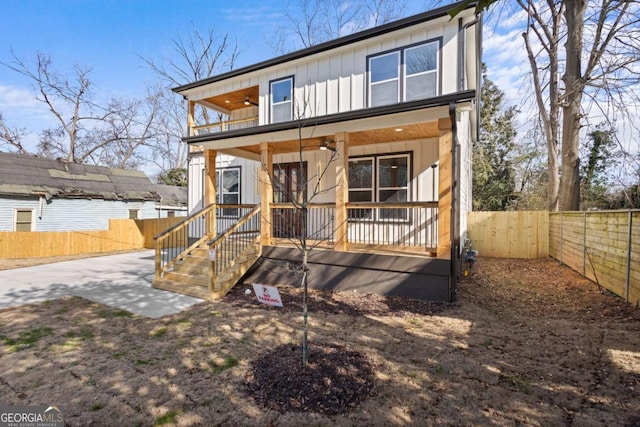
(267, 295)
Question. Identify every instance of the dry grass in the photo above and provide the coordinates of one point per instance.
(529, 343)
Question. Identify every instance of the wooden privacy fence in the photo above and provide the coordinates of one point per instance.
(603, 246)
(122, 235)
(518, 234)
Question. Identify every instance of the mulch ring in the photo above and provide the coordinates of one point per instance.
(334, 381)
(350, 302)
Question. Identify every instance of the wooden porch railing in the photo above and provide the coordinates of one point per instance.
(176, 242)
(224, 125)
(408, 224)
(228, 246)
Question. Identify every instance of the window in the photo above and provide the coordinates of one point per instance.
(24, 220)
(281, 100)
(134, 213)
(421, 72)
(380, 179)
(385, 79)
(228, 189)
(415, 68)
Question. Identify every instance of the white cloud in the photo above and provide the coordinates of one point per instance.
(15, 97)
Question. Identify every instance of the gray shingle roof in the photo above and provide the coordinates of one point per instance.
(23, 175)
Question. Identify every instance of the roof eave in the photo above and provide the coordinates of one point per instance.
(332, 44)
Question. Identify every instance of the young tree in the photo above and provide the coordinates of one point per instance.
(493, 169)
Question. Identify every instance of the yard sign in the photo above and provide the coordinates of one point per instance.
(267, 295)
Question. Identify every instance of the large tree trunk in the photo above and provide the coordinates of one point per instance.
(574, 87)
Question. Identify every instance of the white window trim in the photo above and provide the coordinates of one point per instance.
(15, 217)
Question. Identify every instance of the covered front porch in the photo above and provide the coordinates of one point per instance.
(372, 189)
(369, 194)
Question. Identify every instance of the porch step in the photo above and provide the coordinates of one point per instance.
(193, 265)
(193, 290)
(191, 275)
(226, 281)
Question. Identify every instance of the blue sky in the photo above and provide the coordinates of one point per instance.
(110, 35)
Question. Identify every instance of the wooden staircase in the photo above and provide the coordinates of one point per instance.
(192, 275)
(191, 272)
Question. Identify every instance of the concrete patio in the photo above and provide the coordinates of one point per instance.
(122, 281)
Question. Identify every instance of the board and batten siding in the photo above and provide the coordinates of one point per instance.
(424, 182)
(249, 172)
(72, 214)
(336, 81)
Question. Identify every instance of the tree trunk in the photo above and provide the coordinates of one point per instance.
(574, 87)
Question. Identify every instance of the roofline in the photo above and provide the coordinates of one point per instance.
(331, 44)
(364, 113)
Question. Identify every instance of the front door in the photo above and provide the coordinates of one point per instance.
(289, 184)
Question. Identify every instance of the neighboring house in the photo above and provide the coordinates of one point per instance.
(395, 107)
(38, 194)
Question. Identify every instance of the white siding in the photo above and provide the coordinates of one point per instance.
(72, 214)
(466, 164)
(335, 81)
(424, 183)
(249, 173)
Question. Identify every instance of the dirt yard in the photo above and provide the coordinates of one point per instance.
(528, 343)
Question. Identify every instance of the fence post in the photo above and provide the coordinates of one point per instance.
(561, 235)
(629, 255)
(584, 244)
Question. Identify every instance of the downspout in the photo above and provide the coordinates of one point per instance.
(462, 63)
(455, 190)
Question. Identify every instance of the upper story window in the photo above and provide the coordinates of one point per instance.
(404, 74)
(384, 72)
(281, 100)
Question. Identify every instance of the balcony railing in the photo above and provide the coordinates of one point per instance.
(411, 225)
(223, 126)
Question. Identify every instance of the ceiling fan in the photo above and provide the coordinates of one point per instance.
(248, 101)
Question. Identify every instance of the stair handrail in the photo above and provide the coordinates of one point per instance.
(190, 218)
(216, 240)
(160, 265)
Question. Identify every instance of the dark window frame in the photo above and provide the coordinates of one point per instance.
(402, 69)
(293, 87)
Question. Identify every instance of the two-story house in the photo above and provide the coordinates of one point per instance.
(378, 127)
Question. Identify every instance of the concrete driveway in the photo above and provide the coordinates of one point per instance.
(121, 281)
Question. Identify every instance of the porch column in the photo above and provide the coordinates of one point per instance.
(342, 190)
(191, 108)
(210, 189)
(445, 147)
(266, 192)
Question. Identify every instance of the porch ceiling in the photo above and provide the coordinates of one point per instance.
(234, 100)
(365, 137)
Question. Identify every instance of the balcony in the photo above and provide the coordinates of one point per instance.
(223, 126)
(239, 110)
